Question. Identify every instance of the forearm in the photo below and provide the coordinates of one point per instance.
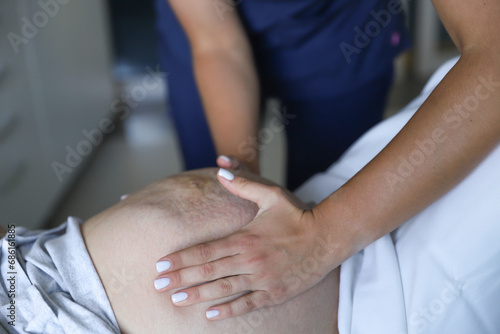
(459, 123)
(229, 88)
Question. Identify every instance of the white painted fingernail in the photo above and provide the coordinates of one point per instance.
(123, 197)
(212, 313)
(161, 283)
(225, 158)
(163, 266)
(226, 174)
(179, 297)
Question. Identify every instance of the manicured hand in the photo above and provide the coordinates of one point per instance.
(263, 259)
(229, 162)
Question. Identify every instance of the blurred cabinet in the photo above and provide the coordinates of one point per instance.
(55, 83)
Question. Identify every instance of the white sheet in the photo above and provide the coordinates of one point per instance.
(437, 273)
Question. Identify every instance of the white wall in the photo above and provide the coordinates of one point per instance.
(55, 83)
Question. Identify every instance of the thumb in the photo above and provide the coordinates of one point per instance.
(244, 188)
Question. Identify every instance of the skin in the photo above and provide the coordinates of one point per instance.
(172, 214)
(378, 199)
(225, 73)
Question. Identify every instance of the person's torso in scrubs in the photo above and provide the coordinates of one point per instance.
(317, 56)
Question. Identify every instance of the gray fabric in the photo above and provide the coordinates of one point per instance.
(57, 287)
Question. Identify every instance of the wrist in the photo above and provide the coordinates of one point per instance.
(339, 229)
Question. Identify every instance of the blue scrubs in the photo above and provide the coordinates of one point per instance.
(329, 61)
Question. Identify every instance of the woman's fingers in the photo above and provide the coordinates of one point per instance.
(242, 305)
(256, 258)
(258, 193)
(221, 288)
(226, 162)
(196, 255)
(199, 274)
(231, 163)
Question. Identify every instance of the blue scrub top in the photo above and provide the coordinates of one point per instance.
(354, 41)
(308, 48)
